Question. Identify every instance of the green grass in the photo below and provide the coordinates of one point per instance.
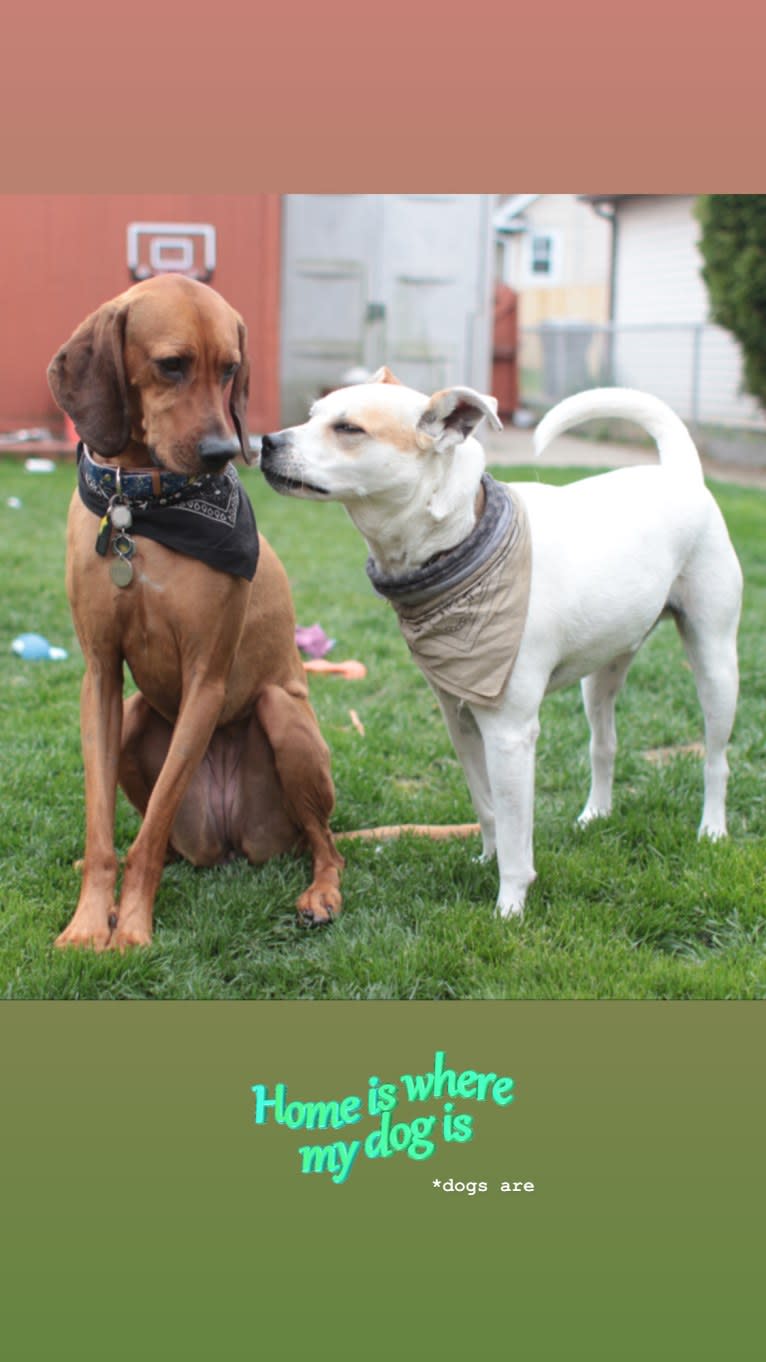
(633, 907)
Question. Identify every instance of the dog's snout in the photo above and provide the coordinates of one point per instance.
(271, 444)
(215, 452)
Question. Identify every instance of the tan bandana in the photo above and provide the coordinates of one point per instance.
(465, 638)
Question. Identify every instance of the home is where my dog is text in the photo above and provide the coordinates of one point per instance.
(416, 1137)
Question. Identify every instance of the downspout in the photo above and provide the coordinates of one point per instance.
(608, 212)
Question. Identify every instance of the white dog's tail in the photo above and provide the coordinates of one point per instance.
(675, 445)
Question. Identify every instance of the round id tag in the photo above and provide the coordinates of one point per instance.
(121, 572)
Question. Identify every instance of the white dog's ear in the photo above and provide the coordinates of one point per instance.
(384, 375)
(453, 414)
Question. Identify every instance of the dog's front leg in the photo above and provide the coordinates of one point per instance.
(510, 754)
(469, 748)
(100, 727)
(193, 730)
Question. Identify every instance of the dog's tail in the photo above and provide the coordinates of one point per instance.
(675, 445)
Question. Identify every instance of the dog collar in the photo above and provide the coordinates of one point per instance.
(445, 572)
(135, 485)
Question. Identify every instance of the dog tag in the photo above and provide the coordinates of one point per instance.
(121, 572)
(124, 545)
(120, 516)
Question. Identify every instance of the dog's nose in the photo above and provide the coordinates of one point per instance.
(271, 444)
(215, 452)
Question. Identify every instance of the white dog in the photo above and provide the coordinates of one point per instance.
(610, 556)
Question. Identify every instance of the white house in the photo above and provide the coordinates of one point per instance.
(663, 340)
(554, 250)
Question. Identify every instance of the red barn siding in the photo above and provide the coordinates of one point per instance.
(61, 255)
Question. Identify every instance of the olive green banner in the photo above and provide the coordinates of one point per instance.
(545, 1181)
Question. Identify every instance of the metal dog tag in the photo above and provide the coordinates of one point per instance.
(120, 516)
(124, 546)
(121, 572)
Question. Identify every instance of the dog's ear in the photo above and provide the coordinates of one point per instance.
(453, 414)
(384, 375)
(87, 379)
(240, 390)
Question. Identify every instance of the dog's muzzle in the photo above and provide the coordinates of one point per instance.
(277, 464)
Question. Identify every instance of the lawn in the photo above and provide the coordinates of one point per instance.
(632, 907)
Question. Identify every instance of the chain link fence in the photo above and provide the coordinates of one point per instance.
(695, 367)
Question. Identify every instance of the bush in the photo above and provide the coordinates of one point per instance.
(733, 247)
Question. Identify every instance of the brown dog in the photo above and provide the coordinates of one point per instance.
(220, 751)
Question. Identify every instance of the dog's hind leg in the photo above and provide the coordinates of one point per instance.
(714, 662)
(261, 825)
(469, 748)
(142, 751)
(599, 693)
(707, 611)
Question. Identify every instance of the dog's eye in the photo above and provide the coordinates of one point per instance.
(173, 366)
(346, 428)
(228, 373)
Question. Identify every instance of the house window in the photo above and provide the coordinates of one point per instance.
(541, 254)
(542, 257)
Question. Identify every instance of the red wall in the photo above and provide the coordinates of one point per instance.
(61, 255)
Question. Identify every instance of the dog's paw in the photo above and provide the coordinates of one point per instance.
(484, 858)
(712, 832)
(510, 911)
(319, 904)
(84, 933)
(590, 814)
(130, 932)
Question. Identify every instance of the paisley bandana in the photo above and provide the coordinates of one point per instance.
(208, 517)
